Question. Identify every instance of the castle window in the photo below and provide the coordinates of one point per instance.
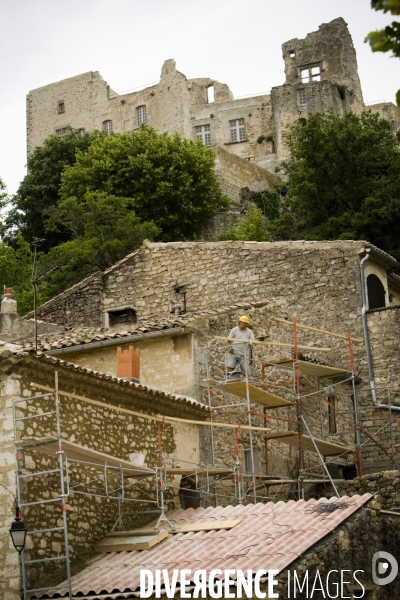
(203, 132)
(302, 97)
(61, 106)
(62, 131)
(292, 54)
(311, 74)
(141, 114)
(376, 292)
(81, 132)
(210, 94)
(238, 132)
(107, 127)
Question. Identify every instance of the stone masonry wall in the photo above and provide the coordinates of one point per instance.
(80, 304)
(102, 429)
(319, 282)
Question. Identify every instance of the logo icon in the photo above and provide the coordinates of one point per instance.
(384, 563)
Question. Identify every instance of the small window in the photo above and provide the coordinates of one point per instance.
(376, 292)
(141, 114)
(203, 132)
(123, 315)
(247, 460)
(210, 94)
(61, 106)
(81, 132)
(107, 127)
(302, 97)
(62, 131)
(292, 54)
(311, 74)
(238, 132)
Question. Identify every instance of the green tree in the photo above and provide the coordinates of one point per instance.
(16, 272)
(170, 180)
(103, 229)
(343, 181)
(250, 228)
(39, 191)
(387, 39)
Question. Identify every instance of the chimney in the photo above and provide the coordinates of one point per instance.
(8, 302)
(128, 363)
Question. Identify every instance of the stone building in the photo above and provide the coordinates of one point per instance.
(109, 320)
(321, 74)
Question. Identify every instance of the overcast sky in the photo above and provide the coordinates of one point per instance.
(237, 42)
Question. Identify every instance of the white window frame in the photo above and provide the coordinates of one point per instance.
(141, 114)
(238, 131)
(107, 126)
(301, 94)
(311, 73)
(203, 132)
(62, 131)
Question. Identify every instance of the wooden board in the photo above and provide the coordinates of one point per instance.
(201, 472)
(325, 448)
(74, 452)
(129, 544)
(309, 368)
(238, 388)
(206, 526)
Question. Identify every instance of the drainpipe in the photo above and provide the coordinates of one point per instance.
(366, 335)
(365, 326)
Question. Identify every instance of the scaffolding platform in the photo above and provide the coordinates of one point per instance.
(324, 447)
(74, 452)
(238, 388)
(308, 368)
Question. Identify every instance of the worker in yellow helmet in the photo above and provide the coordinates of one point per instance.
(240, 352)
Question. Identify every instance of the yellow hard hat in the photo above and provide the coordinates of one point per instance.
(244, 319)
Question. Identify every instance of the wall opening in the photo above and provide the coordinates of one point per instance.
(376, 292)
(189, 497)
(123, 315)
(210, 94)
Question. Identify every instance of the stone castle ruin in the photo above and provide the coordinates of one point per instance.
(247, 134)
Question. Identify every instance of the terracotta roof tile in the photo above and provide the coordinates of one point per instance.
(270, 536)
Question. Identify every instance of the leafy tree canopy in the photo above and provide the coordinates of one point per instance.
(387, 39)
(16, 272)
(38, 192)
(170, 180)
(103, 228)
(343, 182)
(250, 228)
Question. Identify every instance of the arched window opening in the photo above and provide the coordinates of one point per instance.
(376, 292)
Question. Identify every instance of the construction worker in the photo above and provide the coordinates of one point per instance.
(241, 351)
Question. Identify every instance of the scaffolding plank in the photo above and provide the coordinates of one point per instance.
(192, 471)
(72, 451)
(325, 448)
(238, 388)
(309, 368)
(124, 544)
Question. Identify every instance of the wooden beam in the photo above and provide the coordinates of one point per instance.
(239, 341)
(330, 333)
(124, 544)
(158, 418)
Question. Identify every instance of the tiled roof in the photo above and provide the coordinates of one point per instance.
(270, 536)
(85, 335)
(7, 350)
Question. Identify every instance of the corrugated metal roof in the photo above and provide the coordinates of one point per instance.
(270, 536)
